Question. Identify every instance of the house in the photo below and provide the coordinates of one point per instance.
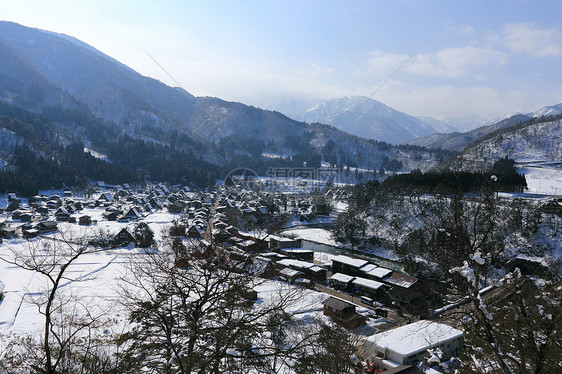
(30, 233)
(298, 253)
(111, 215)
(277, 242)
(310, 270)
(85, 220)
(133, 214)
(343, 313)
(400, 369)
(62, 215)
(194, 232)
(249, 245)
(342, 282)
(370, 288)
(42, 209)
(406, 345)
(7, 232)
(104, 199)
(291, 275)
(25, 217)
(405, 288)
(374, 272)
(47, 226)
(123, 237)
(347, 265)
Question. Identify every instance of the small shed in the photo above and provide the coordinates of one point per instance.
(343, 313)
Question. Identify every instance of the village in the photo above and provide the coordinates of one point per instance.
(359, 293)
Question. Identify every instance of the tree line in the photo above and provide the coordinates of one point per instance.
(503, 173)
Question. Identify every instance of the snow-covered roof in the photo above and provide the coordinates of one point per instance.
(367, 268)
(401, 280)
(415, 337)
(295, 263)
(296, 250)
(378, 272)
(289, 272)
(355, 262)
(344, 278)
(317, 269)
(367, 283)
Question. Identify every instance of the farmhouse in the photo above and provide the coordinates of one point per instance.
(298, 253)
(342, 282)
(343, 313)
(347, 265)
(369, 288)
(408, 344)
(310, 270)
(374, 272)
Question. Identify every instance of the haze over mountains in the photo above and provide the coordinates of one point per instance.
(70, 109)
(458, 141)
(364, 117)
(58, 93)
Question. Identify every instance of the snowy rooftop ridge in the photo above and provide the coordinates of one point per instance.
(415, 337)
(368, 283)
(355, 262)
(340, 277)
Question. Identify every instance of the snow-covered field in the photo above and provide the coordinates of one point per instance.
(94, 280)
(313, 234)
(543, 180)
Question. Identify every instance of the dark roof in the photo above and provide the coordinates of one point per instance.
(401, 280)
(336, 304)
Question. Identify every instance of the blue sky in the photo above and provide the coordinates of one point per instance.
(460, 58)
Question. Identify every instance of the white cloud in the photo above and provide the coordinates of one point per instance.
(528, 38)
(446, 63)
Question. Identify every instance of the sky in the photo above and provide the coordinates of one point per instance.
(467, 59)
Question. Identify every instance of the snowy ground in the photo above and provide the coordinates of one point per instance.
(95, 278)
(543, 180)
(313, 234)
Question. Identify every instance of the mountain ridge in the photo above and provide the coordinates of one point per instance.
(359, 115)
(142, 125)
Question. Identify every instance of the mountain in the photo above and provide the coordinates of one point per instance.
(551, 110)
(61, 99)
(466, 124)
(361, 116)
(118, 94)
(440, 126)
(538, 139)
(458, 141)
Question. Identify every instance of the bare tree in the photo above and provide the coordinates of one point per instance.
(67, 319)
(508, 319)
(201, 317)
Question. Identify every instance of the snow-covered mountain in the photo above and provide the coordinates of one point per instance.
(361, 116)
(56, 91)
(538, 140)
(457, 141)
(441, 126)
(551, 110)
